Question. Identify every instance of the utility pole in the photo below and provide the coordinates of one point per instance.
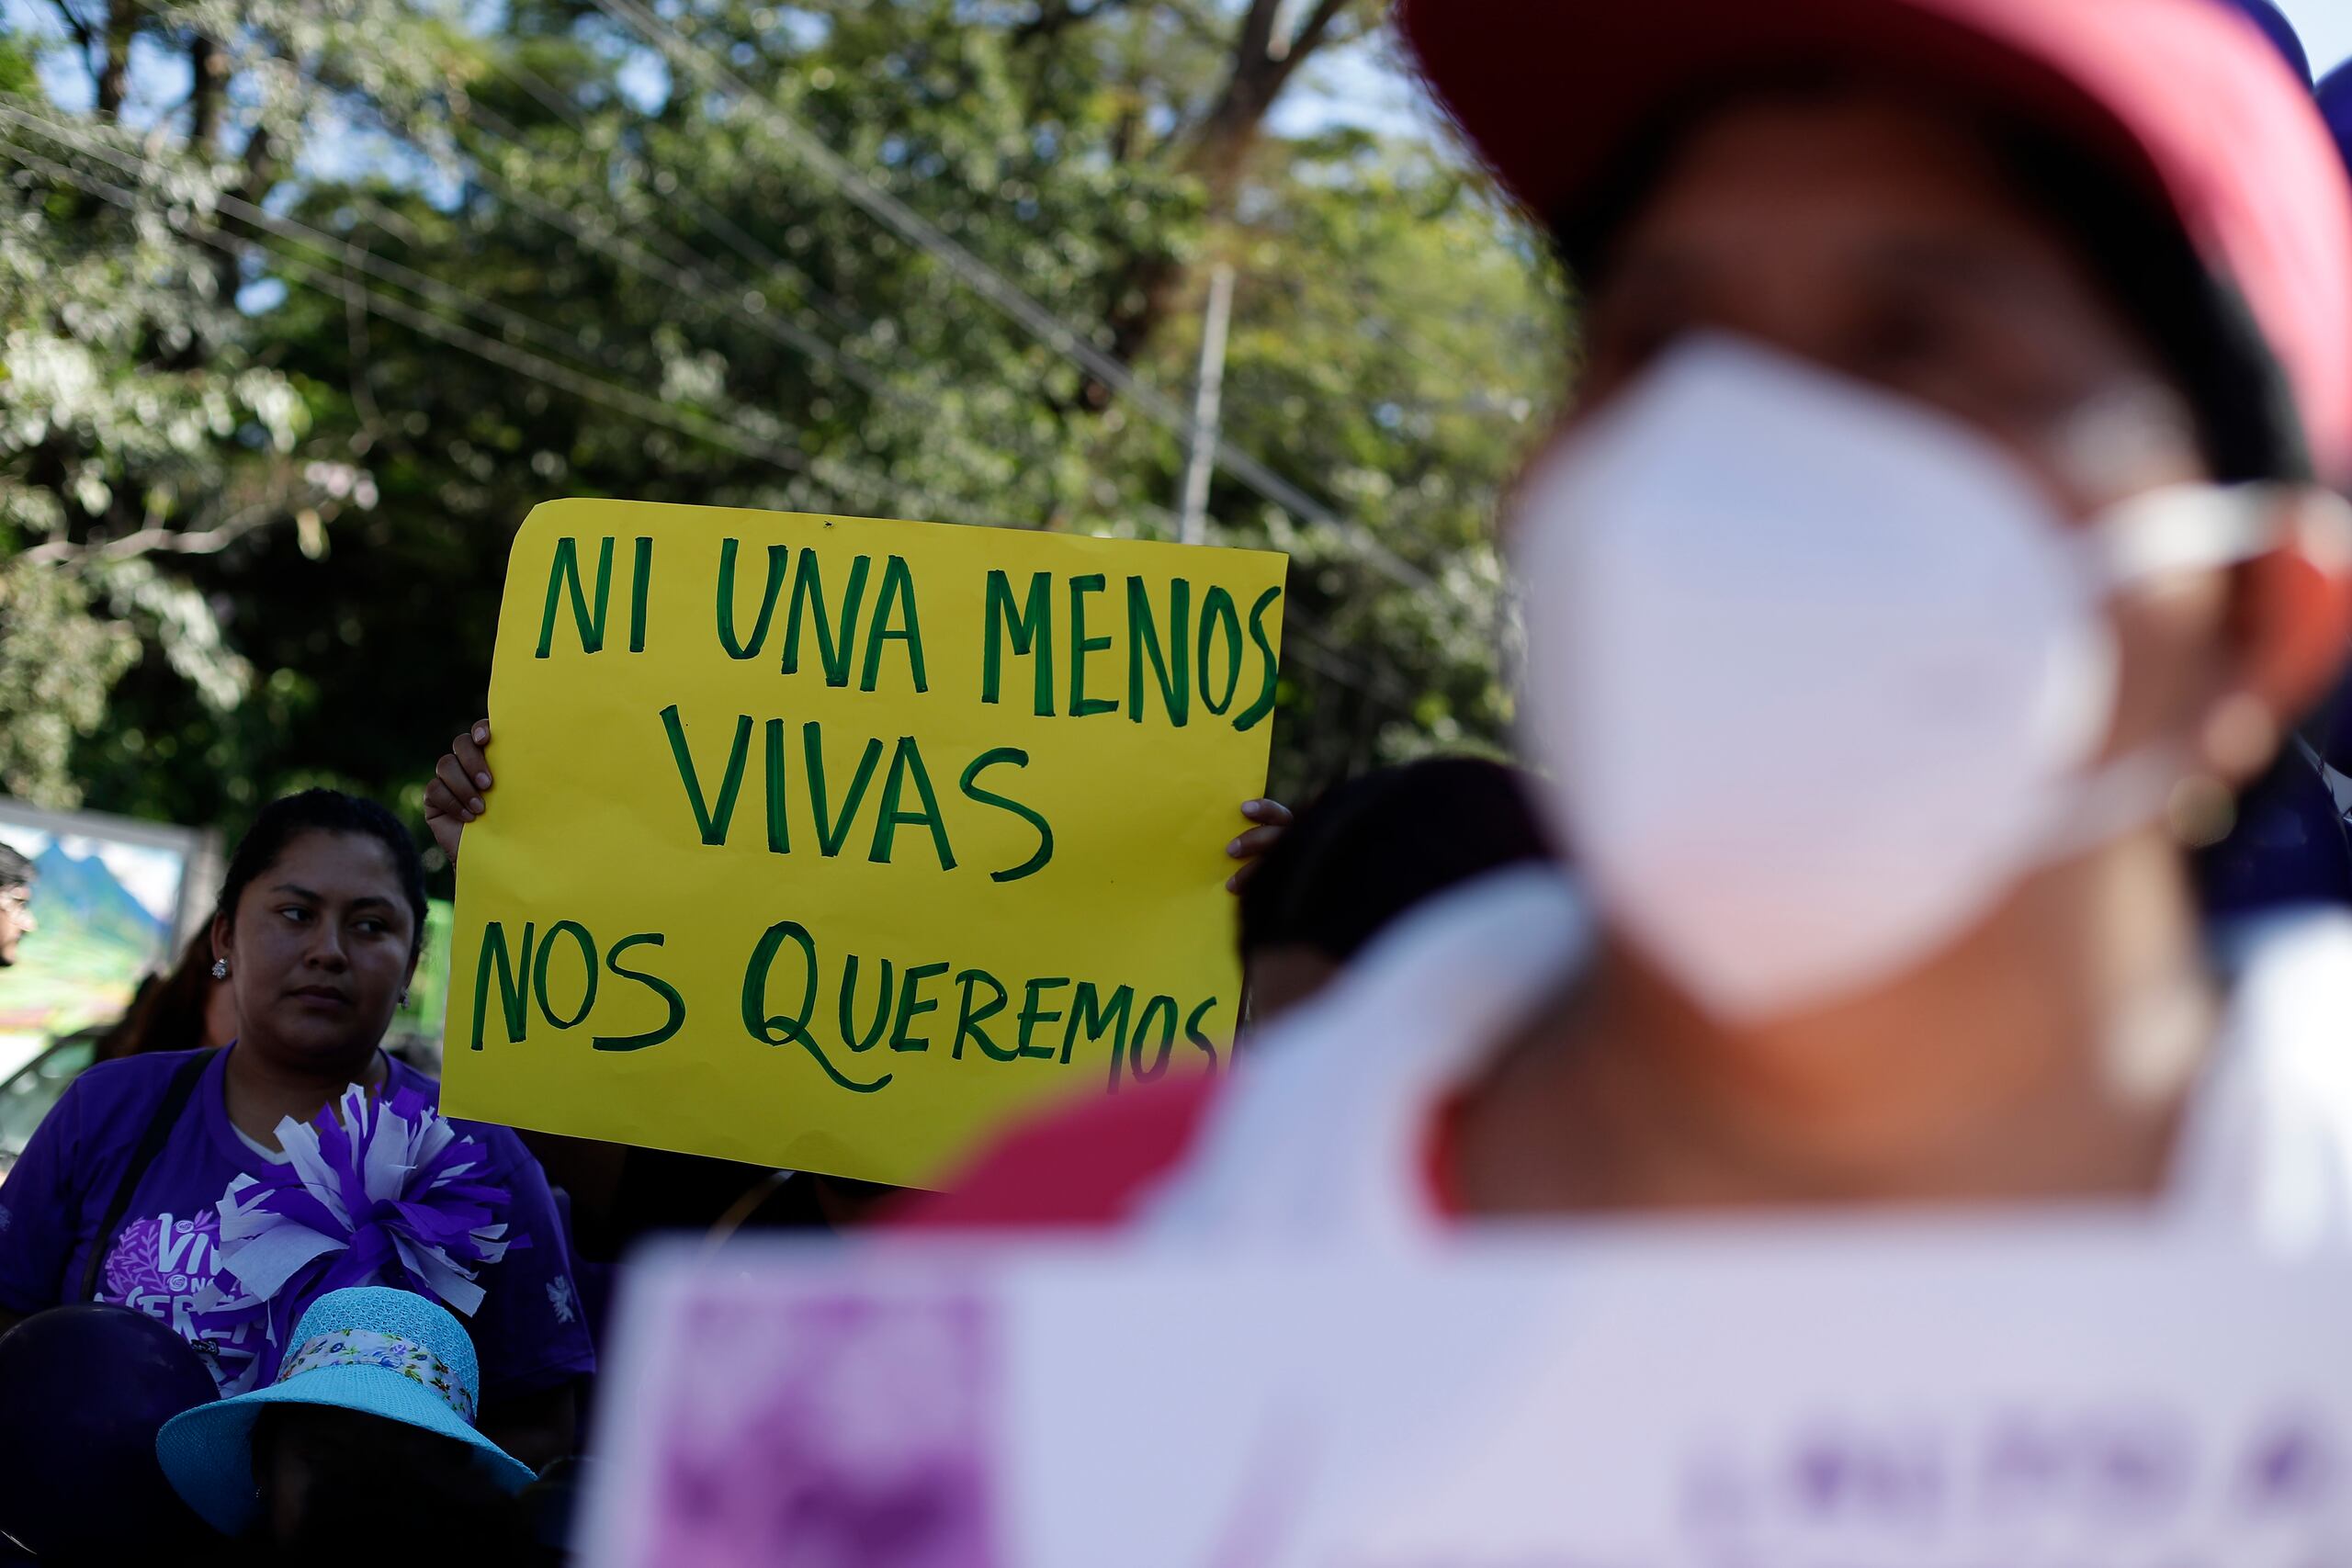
(1208, 397)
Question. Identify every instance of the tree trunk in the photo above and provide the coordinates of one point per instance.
(206, 67)
(1217, 151)
(260, 160)
(114, 76)
(1259, 66)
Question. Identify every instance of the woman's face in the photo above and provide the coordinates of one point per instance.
(319, 948)
(1880, 240)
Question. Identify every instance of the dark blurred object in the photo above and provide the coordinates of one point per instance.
(1366, 851)
(550, 1510)
(83, 1389)
(177, 1012)
(1372, 848)
(613, 1196)
(616, 1195)
(376, 1493)
(2274, 22)
(2335, 103)
(2329, 731)
(2288, 847)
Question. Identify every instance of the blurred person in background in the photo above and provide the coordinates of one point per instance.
(1933, 549)
(164, 1182)
(16, 920)
(187, 1009)
(1365, 852)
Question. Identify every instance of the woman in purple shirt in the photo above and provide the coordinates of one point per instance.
(321, 919)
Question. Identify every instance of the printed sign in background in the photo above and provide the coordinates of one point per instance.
(834, 843)
(114, 899)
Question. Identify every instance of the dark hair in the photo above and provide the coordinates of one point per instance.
(2199, 326)
(167, 1011)
(1372, 848)
(2202, 331)
(15, 871)
(325, 811)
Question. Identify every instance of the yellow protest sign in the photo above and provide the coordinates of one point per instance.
(833, 843)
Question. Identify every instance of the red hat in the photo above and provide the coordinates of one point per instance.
(2186, 95)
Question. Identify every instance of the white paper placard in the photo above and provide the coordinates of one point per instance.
(2063, 1395)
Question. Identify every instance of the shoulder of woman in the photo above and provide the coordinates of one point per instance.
(99, 1121)
(127, 1085)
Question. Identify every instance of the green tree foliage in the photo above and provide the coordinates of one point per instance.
(494, 266)
(144, 420)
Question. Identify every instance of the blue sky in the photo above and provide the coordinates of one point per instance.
(2326, 29)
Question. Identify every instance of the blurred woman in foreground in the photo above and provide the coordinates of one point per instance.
(1934, 548)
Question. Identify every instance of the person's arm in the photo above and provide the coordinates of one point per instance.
(461, 781)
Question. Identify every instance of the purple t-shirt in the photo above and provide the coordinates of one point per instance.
(529, 1333)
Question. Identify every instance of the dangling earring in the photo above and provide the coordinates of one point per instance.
(220, 969)
(2201, 812)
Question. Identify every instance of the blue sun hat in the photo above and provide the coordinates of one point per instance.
(373, 1349)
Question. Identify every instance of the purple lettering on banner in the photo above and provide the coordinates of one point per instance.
(843, 1430)
(2140, 1467)
(1887, 1479)
(2293, 1467)
(2025, 1469)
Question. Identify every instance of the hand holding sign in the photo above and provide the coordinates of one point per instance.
(833, 844)
(462, 779)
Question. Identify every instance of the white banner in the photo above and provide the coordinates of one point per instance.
(2064, 1396)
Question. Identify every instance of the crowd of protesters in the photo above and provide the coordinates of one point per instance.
(1928, 599)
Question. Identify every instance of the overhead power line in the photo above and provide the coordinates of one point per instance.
(992, 286)
(849, 479)
(748, 246)
(1312, 649)
(686, 277)
(684, 274)
(353, 253)
(841, 478)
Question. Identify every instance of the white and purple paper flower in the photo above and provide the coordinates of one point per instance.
(376, 1192)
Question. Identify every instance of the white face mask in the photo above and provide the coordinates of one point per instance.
(1818, 674)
